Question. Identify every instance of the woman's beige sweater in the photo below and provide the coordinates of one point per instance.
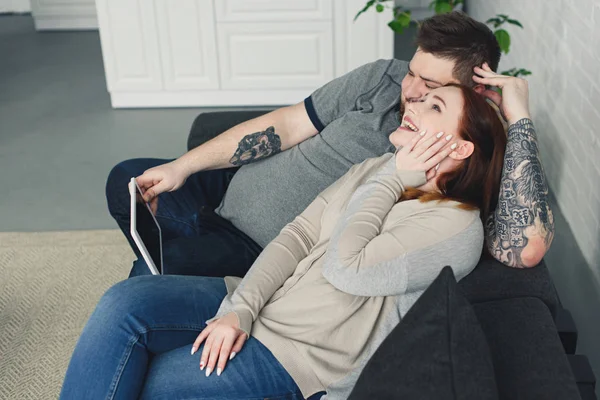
(327, 291)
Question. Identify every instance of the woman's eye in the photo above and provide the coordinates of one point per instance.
(436, 108)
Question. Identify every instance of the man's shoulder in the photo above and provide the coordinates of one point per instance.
(395, 68)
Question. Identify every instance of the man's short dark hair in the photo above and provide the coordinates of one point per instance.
(456, 36)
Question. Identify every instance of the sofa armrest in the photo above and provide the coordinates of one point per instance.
(567, 330)
(528, 357)
(492, 280)
(211, 124)
(584, 376)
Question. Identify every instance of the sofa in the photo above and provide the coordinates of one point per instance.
(531, 337)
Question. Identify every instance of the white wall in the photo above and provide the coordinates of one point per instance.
(15, 6)
(560, 45)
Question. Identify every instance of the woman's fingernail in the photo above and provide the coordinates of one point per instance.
(219, 370)
(422, 133)
(201, 365)
(437, 167)
(453, 146)
(448, 137)
(208, 371)
(231, 355)
(439, 135)
(193, 350)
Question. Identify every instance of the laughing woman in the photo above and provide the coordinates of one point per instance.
(325, 293)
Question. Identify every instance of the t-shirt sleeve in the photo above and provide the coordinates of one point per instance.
(340, 95)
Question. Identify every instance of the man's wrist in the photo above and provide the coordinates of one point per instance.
(184, 166)
(518, 117)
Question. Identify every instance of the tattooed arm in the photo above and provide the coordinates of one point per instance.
(252, 140)
(521, 229)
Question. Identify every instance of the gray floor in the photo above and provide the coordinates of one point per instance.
(59, 139)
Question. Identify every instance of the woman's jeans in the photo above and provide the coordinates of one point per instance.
(137, 344)
(196, 241)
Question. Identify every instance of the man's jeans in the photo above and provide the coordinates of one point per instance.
(137, 344)
(196, 241)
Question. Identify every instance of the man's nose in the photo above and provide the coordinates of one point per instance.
(412, 94)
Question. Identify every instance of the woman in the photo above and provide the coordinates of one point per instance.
(325, 293)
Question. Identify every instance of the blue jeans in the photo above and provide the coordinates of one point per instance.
(137, 342)
(196, 241)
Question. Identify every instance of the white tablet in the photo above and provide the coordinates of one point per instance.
(145, 230)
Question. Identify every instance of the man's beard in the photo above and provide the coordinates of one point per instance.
(401, 109)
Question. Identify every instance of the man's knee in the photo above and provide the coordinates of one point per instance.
(116, 184)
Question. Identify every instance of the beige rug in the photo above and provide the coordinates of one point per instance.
(49, 285)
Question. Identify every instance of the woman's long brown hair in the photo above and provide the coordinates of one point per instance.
(476, 183)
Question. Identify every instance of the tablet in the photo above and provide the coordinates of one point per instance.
(145, 230)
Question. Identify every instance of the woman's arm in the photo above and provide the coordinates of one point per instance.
(364, 261)
(278, 260)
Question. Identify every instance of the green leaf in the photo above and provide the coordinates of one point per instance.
(523, 72)
(432, 4)
(514, 22)
(396, 26)
(442, 8)
(365, 8)
(503, 39)
(404, 18)
(379, 8)
(510, 72)
(503, 16)
(495, 21)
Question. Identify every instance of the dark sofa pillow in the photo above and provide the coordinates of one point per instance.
(438, 351)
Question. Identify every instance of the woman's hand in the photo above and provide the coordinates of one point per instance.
(514, 101)
(425, 153)
(224, 339)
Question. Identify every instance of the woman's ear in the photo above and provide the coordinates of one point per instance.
(463, 150)
(479, 88)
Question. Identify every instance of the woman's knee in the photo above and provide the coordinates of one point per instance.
(124, 297)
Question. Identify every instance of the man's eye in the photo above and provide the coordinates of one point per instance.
(430, 87)
(437, 108)
(411, 73)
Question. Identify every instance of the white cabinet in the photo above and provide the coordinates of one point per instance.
(64, 14)
(166, 53)
(186, 32)
(292, 55)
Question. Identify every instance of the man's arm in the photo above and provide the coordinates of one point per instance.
(251, 140)
(521, 229)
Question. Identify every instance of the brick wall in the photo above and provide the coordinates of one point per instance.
(561, 46)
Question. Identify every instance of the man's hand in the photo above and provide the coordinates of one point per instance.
(224, 339)
(514, 102)
(160, 179)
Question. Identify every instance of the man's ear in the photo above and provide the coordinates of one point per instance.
(463, 150)
(479, 88)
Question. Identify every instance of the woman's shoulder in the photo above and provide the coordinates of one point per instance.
(447, 216)
(371, 165)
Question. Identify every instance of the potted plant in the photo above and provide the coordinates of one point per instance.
(403, 22)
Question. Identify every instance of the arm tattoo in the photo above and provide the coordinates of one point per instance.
(257, 146)
(523, 208)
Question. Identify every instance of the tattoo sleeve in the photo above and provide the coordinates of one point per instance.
(523, 209)
(257, 146)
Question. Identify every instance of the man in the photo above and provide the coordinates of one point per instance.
(216, 219)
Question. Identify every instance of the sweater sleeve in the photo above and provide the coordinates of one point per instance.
(364, 260)
(278, 261)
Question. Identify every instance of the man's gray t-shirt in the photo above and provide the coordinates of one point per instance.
(354, 115)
